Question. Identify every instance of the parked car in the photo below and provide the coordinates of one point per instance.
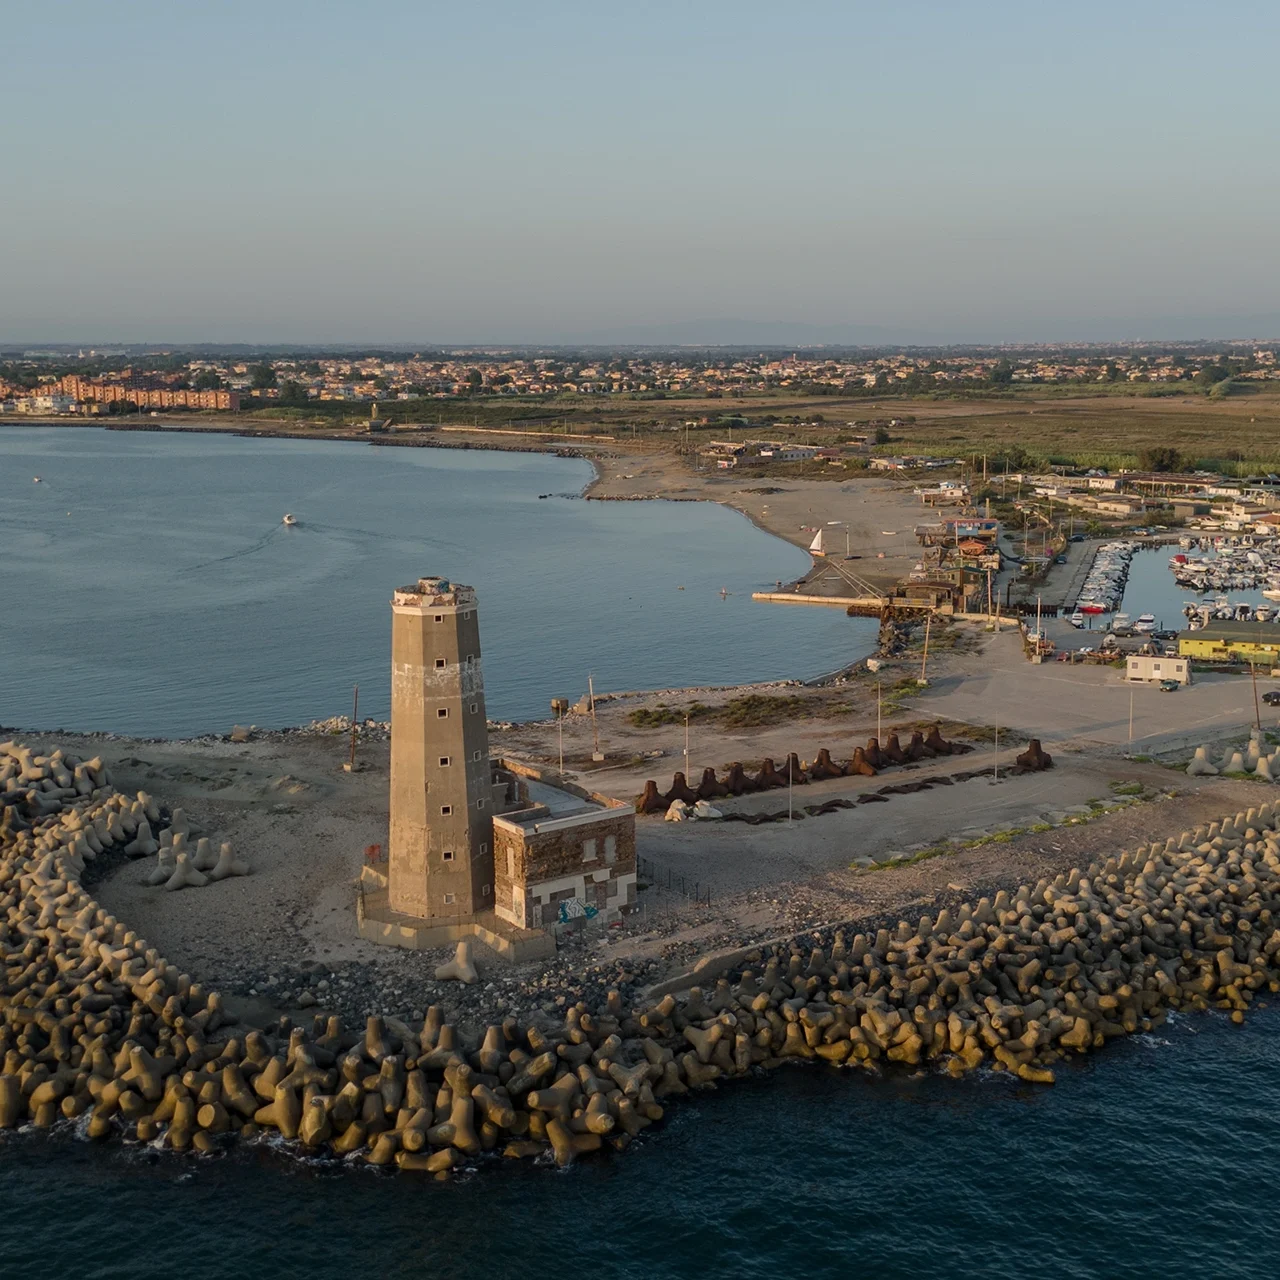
(1272, 697)
(1170, 686)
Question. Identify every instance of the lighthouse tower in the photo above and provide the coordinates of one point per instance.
(440, 850)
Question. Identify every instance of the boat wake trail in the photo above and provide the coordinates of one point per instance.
(399, 538)
(244, 551)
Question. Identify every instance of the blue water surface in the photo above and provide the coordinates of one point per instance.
(152, 588)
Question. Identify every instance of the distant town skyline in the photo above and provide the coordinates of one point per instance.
(720, 173)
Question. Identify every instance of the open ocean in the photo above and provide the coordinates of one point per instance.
(172, 601)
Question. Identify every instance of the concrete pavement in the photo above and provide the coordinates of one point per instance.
(1058, 702)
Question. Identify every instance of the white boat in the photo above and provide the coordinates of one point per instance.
(816, 548)
(1146, 622)
(1077, 619)
(35, 479)
(1120, 622)
(291, 519)
(1272, 593)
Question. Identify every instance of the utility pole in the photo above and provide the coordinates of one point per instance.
(1257, 711)
(924, 661)
(686, 746)
(355, 708)
(1131, 718)
(597, 754)
(560, 706)
(995, 764)
(879, 706)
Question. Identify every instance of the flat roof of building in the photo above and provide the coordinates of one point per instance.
(1260, 632)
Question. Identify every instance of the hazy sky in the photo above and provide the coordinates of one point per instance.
(415, 171)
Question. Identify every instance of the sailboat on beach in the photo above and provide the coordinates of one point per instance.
(817, 547)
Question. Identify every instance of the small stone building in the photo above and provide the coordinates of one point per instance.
(565, 853)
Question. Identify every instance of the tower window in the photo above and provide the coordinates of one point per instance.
(475, 706)
(588, 851)
(484, 848)
(446, 810)
(444, 762)
(439, 617)
(448, 899)
(448, 855)
(485, 891)
(476, 755)
(480, 803)
(442, 712)
(439, 664)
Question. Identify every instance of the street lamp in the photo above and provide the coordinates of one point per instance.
(559, 706)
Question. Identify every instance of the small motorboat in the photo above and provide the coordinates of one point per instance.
(1077, 619)
(1146, 623)
(289, 519)
(35, 479)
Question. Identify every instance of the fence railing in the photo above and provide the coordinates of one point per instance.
(672, 889)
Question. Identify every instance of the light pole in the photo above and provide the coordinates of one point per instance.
(559, 706)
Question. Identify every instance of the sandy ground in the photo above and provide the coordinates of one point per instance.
(879, 515)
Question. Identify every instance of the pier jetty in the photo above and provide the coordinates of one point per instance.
(98, 1029)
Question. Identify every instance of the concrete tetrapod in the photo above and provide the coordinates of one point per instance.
(184, 874)
(1017, 983)
(650, 800)
(1201, 766)
(461, 968)
(228, 865)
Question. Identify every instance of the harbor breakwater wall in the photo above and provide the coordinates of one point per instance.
(98, 1030)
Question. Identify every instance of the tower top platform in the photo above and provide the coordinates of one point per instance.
(434, 591)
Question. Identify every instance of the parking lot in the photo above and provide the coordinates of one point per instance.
(1059, 702)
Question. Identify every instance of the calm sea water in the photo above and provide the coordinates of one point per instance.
(151, 588)
(1151, 589)
(1156, 1157)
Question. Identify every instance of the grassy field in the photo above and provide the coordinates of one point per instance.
(1107, 427)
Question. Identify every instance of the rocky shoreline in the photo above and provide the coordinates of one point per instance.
(98, 1029)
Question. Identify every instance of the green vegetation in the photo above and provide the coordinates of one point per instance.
(750, 711)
